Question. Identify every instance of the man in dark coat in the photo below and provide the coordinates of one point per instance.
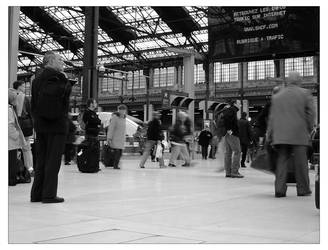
(291, 121)
(245, 137)
(232, 143)
(154, 136)
(91, 120)
(50, 132)
(204, 140)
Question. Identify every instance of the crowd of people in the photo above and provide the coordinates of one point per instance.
(285, 124)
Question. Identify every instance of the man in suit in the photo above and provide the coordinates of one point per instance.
(50, 116)
(290, 123)
(245, 137)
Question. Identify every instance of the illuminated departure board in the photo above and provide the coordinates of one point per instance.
(251, 33)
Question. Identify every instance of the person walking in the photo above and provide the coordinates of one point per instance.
(177, 138)
(49, 105)
(154, 137)
(16, 139)
(69, 146)
(245, 137)
(23, 109)
(291, 121)
(204, 139)
(232, 143)
(116, 133)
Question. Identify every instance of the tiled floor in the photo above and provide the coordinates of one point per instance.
(171, 205)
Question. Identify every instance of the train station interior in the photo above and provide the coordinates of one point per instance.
(161, 61)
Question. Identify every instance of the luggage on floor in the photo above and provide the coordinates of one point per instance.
(108, 154)
(265, 160)
(88, 156)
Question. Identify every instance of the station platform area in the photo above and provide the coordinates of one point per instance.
(170, 205)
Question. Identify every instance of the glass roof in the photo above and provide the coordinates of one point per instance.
(153, 35)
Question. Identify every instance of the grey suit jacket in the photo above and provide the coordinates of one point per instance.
(291, 117)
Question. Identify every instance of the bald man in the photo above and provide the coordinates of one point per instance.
(291, 121)
(49, 105)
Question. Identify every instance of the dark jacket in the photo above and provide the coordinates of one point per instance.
(154, 131)
(92, 122)
(230, 120)
(59, 126)
(261, 121)
(71, 133)
(204, 138)
(245, 133)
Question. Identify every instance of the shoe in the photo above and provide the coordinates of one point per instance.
(228, 176)
(243, 166)
(280, 195)
(117, 168)
(238, 175)
(142, 166)
(172, 165)
(67, 163)
(305, 194)
(35, 200)
(186, 165)
(53, 200)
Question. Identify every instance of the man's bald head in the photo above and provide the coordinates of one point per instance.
(294, 77)
(53, 60)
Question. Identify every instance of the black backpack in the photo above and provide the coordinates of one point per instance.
(50, 102)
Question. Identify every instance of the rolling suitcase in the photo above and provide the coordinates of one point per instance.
(88, 156)
(108, 156)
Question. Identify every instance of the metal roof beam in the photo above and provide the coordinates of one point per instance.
(58, 32)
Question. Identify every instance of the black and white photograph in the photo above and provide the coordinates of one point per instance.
(162, 123)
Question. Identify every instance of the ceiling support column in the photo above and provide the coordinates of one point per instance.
(90, 71)
(13, 43)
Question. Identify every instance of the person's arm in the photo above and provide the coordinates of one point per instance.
(309, 112)
(269, 132)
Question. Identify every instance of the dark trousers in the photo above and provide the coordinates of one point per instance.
(213, 151)
(49, 150)
(298, 155)
(68, 152)
(117, 157)
(244, 148)
(12, 166)
(204, 151)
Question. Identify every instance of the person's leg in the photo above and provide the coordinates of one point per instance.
(175, 151)
(55, 149)
(27, 155)
(284, 153)
(227, 155)
(117, 157)
(12, 167)
(67, 154)
(146, 152)
(39, 168)
(243, 154)
(185, 154)
(301, 170)
(236, 151)
(203, 151)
